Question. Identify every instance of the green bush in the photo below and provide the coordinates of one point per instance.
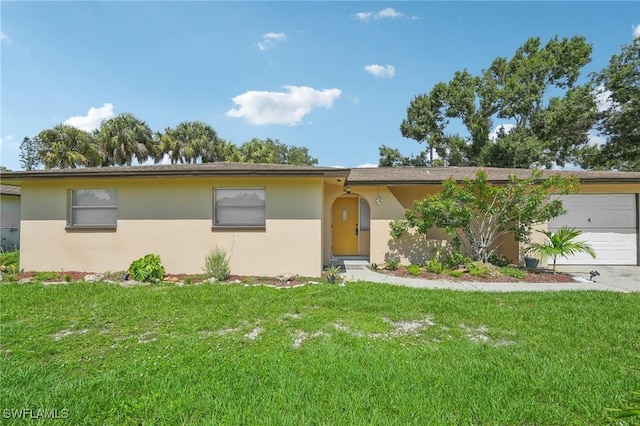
(511, 271)
(148, 268)
(9, 263)
(216, 264)
(499, 260)
(393, 263)
(414, 270)
(453, 273)
(46, 276)
(454, 258)
(435, 266)
(477, 269)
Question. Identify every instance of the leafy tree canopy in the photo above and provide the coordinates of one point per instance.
(619, 122)
(478, 213)
(535, 91)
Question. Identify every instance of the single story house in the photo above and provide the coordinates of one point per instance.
(271, 219)
(9, 217)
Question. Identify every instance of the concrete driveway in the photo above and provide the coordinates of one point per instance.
(619, 278)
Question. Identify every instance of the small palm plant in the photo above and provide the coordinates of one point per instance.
(561, 244)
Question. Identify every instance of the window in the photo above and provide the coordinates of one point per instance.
(93, 208)
(239, 207)
(365, 215)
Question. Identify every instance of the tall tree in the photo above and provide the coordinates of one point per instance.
(65, 146)
(619, 124)
(272, 151)
(391, 157)
(190, 142)
(124, 137)
(523, 91)
(29, 159)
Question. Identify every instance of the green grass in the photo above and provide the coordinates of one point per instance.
(361, 354)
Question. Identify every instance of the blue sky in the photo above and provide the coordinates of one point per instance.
(335, 77)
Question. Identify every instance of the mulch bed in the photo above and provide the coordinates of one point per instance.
(169, 278)
(533, 276)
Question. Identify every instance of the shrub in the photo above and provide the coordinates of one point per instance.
(46, 276)
(510, 271)
(435, 266)
(393, 263)
(332, 272)
(477, 269)
(148, 268)
(10, 259)
(453, 273)
(216, 264)
(454, 258)
(414, 270)
(499, 260)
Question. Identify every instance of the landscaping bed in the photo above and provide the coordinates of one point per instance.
(530, 276)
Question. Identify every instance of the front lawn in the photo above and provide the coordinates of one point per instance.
(320, 354)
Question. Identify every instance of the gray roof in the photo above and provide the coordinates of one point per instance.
(183, 170)
(422, 175)
(9, 190)
(357, 176)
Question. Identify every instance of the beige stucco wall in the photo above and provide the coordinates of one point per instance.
(173, 218)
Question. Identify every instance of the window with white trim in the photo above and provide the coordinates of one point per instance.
(239, 207)
(96, 208)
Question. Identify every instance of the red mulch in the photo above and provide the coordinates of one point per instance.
(533, 276)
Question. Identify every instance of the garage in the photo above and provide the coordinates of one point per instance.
(608, 223)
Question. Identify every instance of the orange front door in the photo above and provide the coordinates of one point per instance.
(345, 226)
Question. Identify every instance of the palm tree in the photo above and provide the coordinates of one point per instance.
(124, 137)
(561, 244)
(65, 146)
(189, 142)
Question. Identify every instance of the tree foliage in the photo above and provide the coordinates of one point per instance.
(274, 152)
(523, 91)
(619, 124)
(123, 138)
(479, 213)
(192, 141)
(65, 146)
(561, 243)
(29, 159)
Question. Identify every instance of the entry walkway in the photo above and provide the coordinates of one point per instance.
(623, 279)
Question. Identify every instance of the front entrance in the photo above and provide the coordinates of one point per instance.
(345, 226)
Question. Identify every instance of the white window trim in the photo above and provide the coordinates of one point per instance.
(216, 226)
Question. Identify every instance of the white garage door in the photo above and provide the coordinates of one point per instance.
(608, 223)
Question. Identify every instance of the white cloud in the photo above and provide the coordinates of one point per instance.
(366, 165)
(93, 119)
(381, 71)
(636, 31)
(6, 139)
(387, 13)
(506, 127)
(4, 37)
(263, 108)
(269, 40)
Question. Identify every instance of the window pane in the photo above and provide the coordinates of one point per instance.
(239, 207)
(365, 215)
(94, 217)
(94, 207)
(95, 197)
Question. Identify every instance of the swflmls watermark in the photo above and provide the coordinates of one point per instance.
(35, 413)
